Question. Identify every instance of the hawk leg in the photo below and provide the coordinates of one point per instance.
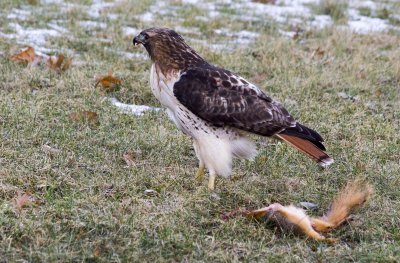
(211, 181)
(200, 173)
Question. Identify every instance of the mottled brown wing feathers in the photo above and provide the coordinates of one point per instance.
(222, 98)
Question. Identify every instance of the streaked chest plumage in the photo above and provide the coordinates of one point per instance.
(162, 88)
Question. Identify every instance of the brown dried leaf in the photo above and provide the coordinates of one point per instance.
(378, 93)
(97, 252)
(129, 158)
(59, 64)
(25, 56)
(84, 116)
(23, 200)
(108, 82)
(318, 52)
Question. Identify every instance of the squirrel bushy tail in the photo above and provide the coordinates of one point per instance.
(352, 196)
(290, 217)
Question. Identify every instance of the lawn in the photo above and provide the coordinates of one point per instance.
(67, 193)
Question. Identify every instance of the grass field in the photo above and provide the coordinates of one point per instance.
(83, 203)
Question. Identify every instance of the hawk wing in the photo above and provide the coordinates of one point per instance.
(224, 99)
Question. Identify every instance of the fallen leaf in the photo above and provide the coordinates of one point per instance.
(129, 158)
(108, 82)
(23, 200)
(84, 116)
(25, 56)
(97, 252)
(58, 63)
(378, 93)
(318, 52)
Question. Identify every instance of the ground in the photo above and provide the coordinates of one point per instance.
(67, 194)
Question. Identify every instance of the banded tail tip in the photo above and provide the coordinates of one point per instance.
(325, 162)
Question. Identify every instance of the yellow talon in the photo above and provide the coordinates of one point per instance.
(211, 182)
(200, 174)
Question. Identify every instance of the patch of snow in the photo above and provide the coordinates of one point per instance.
(364, 24)
(30, 36)
(19, 14)
(212, 46)
(192, 2)
(112, 16)
(46, 2)
(280, 12)
(240, 37)
(130, 31)
(146, 17)
(137, 110)
(104, 40)
(128, 55)
(364, 3)
(159, 8)
(202, 18)
(92, 24)
(246, 34)
(97, 7)
(240, 34)
(187, 30)
(214, 14)
(60, 29)
(289, 34)
(321, 21)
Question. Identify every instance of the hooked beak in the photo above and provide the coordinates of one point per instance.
(139, 39)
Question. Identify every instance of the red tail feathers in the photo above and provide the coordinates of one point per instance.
(307, 147)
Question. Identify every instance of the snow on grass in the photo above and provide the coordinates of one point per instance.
(30, 36)
(92, 24)
(146, 17)
(112, 16)
(289, 34)
(130, 31)
(240, 34)
(55, 26)
(98, 6)
(128, 55)
(47, 2)
(279, 12)
(240, 37)
(321, 21)
(295, 13)
(137, 110)
(19, 14)
(365, 25)
(187, 30)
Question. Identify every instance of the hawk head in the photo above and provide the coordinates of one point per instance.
(167, 48)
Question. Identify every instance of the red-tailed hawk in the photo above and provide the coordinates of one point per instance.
(217, 108)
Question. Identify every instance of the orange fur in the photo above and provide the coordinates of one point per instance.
(352, 196)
